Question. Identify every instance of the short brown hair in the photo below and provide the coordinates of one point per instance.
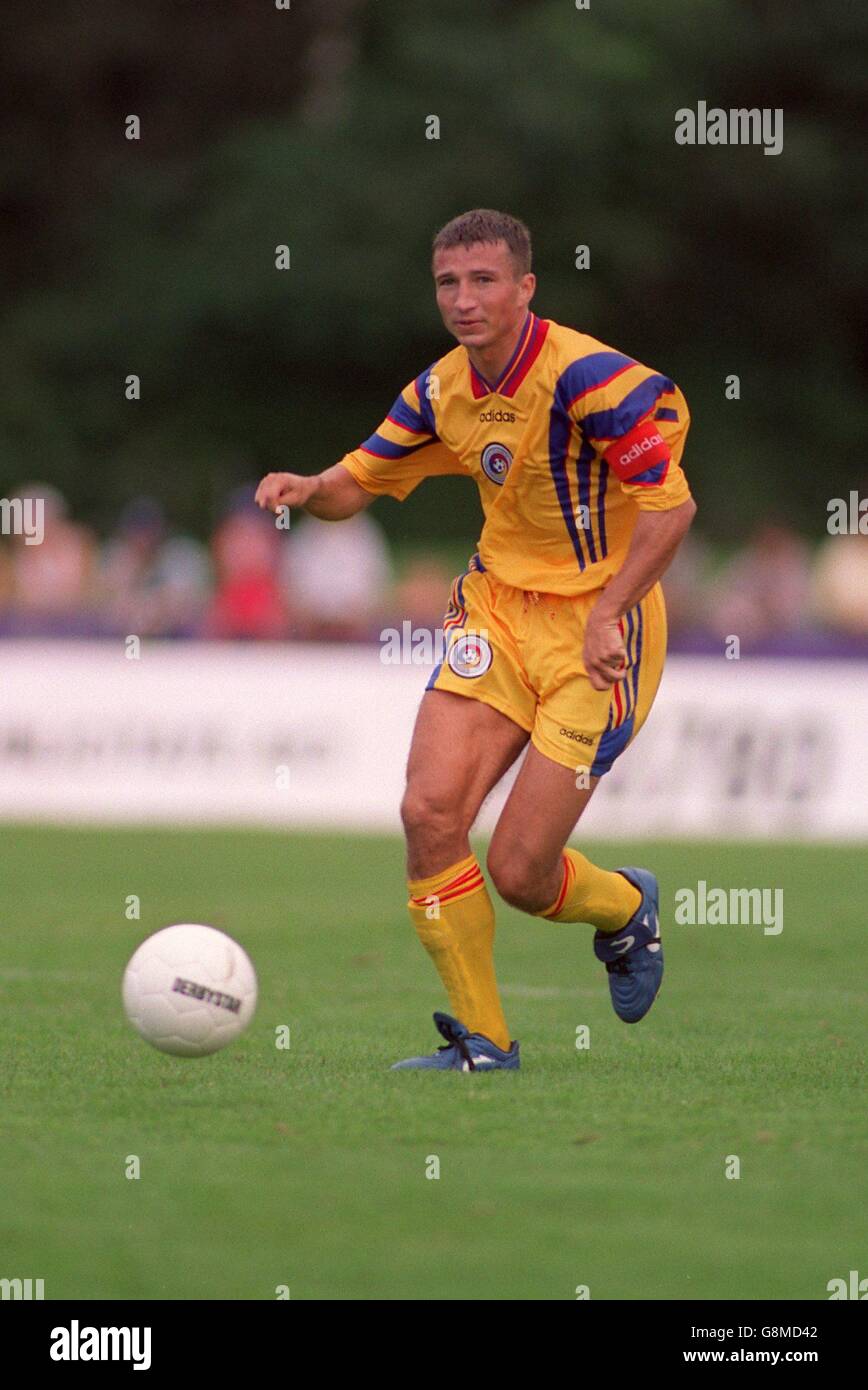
(486, 225)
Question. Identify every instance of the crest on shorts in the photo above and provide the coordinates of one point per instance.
(470, 655)
(496, 460)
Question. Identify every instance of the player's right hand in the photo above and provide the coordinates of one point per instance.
(605, 655)
(285, 490)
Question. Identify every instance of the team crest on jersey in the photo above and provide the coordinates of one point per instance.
(470, 655)
(496, 460)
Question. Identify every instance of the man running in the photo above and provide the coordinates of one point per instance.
(556, 631)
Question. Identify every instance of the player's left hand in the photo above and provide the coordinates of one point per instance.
(605, 655)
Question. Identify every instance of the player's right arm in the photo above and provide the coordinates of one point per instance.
(332, 495)
(393, 461)
(405, 448)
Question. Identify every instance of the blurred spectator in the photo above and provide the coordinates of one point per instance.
(249, 600)
(152, 583)
(335, 582)
(422, 594)
(685, 585)
(52, 584)
(764, 591)
(841, 584)
(339, 575)
(5, 582)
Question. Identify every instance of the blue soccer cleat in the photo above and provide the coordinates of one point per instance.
(633, 956)
(464, 1051)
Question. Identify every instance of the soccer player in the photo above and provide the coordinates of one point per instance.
(556, 632)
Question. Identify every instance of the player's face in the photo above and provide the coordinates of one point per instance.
(478, 295)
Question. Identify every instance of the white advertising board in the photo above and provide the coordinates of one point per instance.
(310, 735)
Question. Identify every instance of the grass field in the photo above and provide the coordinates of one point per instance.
(306, 1167)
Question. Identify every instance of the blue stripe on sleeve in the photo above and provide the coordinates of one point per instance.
(611, 424)
(426, 409)
(386, 449)
(588, 373)
(404, 414)
(651, 475)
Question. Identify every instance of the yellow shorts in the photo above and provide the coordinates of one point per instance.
(521, 653)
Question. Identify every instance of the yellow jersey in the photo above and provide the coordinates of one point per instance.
(571, 442)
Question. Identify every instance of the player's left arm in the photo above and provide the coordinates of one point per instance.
(646, 460)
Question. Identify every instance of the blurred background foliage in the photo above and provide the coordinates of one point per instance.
(307, 128)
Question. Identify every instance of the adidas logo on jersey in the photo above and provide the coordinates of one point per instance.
(501, 416)
(639, 448)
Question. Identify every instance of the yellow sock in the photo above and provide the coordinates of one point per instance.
(601, 897)
(454, 919)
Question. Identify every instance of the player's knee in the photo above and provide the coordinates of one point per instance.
(516, 878)
(429, 814)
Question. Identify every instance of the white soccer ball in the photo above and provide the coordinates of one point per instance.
(189, 990)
